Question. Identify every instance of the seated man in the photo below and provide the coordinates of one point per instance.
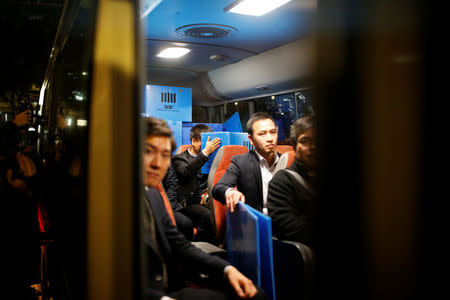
(290, 200)
(251, 172)
(192, 183)
(166, 248)
(170, 184)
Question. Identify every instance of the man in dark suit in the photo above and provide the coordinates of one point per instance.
(192, 183)
(291, 195)
(167, 250)
(247, 178)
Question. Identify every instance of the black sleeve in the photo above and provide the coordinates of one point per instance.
(170, 183)
(288, 222)
(228, 180)
(188, 168)
(202, 186)
(191, 256)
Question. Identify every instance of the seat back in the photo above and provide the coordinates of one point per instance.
(218, 168)
(285, 161)
(293, 269)
(182, 148)
(161, 190)
(284, 148)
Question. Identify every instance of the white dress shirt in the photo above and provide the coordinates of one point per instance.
(266, 175)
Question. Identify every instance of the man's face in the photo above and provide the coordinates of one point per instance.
(196, 144)
(156, 159)
(305, 149)
(265, 136)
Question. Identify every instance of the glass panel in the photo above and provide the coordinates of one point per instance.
(215, 114)
(304, 103)
(199, 114)
(59, 151)
(240, 107)
(283, 109)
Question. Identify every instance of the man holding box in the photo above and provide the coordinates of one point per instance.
(192, 184)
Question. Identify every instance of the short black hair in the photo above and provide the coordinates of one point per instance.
(197, 130)
(299, 127)
(158, 127)
(256, 117)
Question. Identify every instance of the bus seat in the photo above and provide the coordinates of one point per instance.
(284, 148)
(293, 269)
(291, 158)
(161, 190)
(218, 168)
(285, 161)
(182, 148)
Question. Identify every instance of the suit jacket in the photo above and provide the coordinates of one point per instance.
(175, 250)
(170, 183)
(191, 183)
(244, 172)
(290, 206)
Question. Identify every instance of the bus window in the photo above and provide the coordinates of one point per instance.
(285, 109)
(304, 103)
(241, 107)
(62, 154)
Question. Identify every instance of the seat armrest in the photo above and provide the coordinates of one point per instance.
(307, 255)
(294, 269)
(211, 249)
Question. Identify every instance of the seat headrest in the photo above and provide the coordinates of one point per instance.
(182, 148)
(222, 160)
(284, 148)
(285, 161)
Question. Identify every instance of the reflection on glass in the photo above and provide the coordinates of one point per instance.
(304, 103)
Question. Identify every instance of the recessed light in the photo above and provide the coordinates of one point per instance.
(173, 52)
(254, 7)
(81, 122)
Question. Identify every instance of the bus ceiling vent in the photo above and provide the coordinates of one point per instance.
(263, 88)
(205, 30)
(218, 58)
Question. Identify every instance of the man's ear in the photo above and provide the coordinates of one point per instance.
(250, 139)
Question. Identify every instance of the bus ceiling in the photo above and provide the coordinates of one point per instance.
(229, 56)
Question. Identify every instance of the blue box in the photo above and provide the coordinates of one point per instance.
(266, 255)
(233, 124)
(224, 140)
(250, 249)
(243, 246)
(240, 138)
(168, 102)
(176, 130)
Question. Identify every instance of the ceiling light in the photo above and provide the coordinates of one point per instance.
(254, 7)
(174, 52)
(81, 122)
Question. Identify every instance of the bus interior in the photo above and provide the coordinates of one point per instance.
(358, 68)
